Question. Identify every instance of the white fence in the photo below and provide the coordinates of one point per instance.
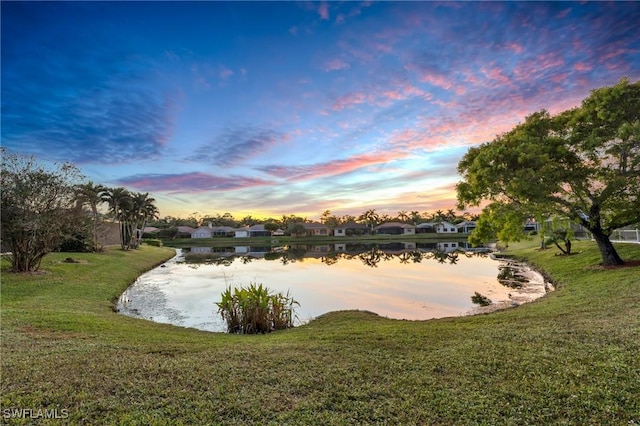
(626, 236)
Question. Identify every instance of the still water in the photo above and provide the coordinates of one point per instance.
(413, 281)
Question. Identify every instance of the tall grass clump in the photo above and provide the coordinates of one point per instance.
(256, 310)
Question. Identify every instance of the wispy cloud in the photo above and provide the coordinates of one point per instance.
(335, 65)
(332, 168)
(195, 182)
(350, 100)
(236, 146)
(115, 121)
(323, 11)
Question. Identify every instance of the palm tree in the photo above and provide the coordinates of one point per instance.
(402, 216)
(370, 217)
(415, 217)
(88, 194)
(141, 210)
(451, 215)
(120, 203)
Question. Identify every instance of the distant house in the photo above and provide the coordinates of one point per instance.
(395, 228)
(316, 229)
(438, 227)
(252, 231)
(258, 231)
(184, 231)
(531, 225)
(351, 228)
(242, 232)
(210, 231)
(466, 226)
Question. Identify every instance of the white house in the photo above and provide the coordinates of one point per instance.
(466, 226)
(439, 227)
(395, 228)
(202, 232)
(242, 232)
(210, 231)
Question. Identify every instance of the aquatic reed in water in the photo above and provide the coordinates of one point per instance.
(256, 310)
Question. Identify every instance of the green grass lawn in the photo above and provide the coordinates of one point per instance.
(572, 357)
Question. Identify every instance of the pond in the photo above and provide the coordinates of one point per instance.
(412, 281)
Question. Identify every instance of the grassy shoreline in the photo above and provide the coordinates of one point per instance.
(571, 357)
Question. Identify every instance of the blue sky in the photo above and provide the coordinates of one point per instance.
(271, 108)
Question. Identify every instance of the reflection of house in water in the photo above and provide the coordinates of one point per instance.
(449, 246)
(445, 246)
(201, 250)
(397, 247)
(253, 251)
(221, 251)
(312, 250)
(354, 249)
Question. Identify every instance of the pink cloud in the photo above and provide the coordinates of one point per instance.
(349, 100)
(383, 47)
(225, 72)
(581, 66)
(526, 70)
(559, 78)
(515, 47)
(190, 183)
(323, 11)
(332, 168)
(617, 52)
(496, 74)
(436, 80)
(550, 60)
(335, 65)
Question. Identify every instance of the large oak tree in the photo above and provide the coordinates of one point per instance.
(583, 163)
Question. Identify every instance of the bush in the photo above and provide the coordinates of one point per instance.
(481, 300)
(256, 310)
(153, 242)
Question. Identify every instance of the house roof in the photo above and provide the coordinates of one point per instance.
(186, 229)
(396, 225)
(352, 225)
(213, 228)
(466, 223)
(314, 225)
(432, 224)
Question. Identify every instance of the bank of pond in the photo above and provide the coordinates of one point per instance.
(400, 280)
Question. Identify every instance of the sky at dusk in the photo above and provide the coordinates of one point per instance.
(272, 108)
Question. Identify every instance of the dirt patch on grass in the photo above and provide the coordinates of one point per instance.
(634, 263)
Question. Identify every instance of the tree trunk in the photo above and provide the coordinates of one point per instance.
(608, 252)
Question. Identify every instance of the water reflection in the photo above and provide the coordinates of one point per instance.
(330, 254)
(414, 281)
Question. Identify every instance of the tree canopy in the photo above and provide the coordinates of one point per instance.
(37, 208)
(583, 164)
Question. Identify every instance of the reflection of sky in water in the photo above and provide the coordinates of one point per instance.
(185, 294)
